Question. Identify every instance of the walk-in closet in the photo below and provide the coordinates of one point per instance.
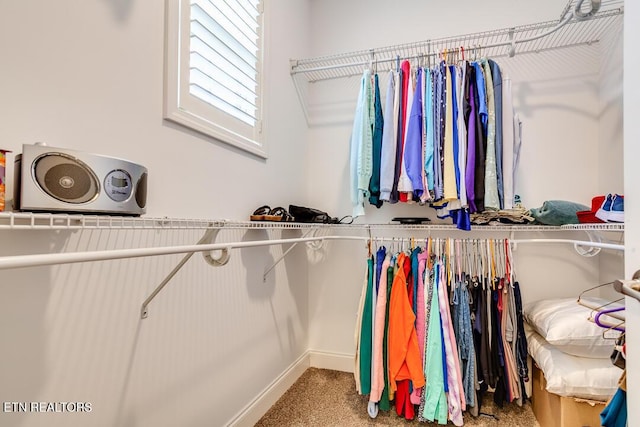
(187, 238)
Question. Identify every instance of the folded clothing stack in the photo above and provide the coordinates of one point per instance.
(557, 212)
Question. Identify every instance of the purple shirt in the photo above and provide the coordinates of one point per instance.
(469, 177)
(413, 142)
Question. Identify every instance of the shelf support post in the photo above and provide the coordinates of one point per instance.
(281, 257)
(208, 237)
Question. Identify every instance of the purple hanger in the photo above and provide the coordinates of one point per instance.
(604, 325)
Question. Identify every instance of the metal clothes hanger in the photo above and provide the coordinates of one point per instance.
(605, 324)
(482, 262)
(492, 260)
(509, 263)
(599, 308)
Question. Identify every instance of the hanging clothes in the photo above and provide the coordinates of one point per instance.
(438, 107)
(435, 400)
(361, 147)
(385, 403)
(449, 184)
(399, 100)
(426, 196)
(521, 341)
(416, 395)
(378, 126)
(423, 341)
(462, 132)
(464, 337)
(490, 174)
(470, 119)
(429, 124)
(378, 367)
(413, 159)
(365, 341)
(405, 184)
(447, 135)
(404, 357)
(496, 76)
(388, 150)
(358, 331)
(455, 395)
(615, 413)
(405, 106)
(481, 137)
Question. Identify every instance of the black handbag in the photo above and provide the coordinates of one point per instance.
(311, 215)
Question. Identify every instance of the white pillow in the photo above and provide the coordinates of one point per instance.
(565, 324)
(566, 375)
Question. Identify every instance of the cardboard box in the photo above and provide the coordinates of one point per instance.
(552, 410)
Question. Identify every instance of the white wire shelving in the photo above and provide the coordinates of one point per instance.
(576, 26)
(60, 221)
(208, 246)
(532, 38)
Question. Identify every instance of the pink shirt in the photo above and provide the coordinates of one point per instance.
(420, 319)
(455, 395)
(377, 380)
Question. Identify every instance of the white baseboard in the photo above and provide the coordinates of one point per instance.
(334, 361)
(252, 413)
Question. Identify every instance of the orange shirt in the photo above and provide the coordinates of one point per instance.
(405, 362)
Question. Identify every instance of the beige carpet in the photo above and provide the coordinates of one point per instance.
(322, 397)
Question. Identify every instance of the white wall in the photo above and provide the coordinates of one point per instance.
(557, 94)
(345, 26)
(632, 201)
(87, 75)
(611, 146)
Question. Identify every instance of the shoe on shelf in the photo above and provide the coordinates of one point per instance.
(617, 209)
(279, 214)
(589, 217)
(612, 209)
(265, 213)
(260, 214)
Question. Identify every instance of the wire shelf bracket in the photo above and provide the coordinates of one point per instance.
(208, 238)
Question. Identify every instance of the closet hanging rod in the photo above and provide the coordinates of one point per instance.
(588, 29)
(613, 246)
(423, 56)
(19, 261)
(34, 260)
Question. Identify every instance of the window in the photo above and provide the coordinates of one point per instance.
(213, 69)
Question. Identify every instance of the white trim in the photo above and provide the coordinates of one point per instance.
(335, 361)
(186, 118)
(182, 108)
(251, 414)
